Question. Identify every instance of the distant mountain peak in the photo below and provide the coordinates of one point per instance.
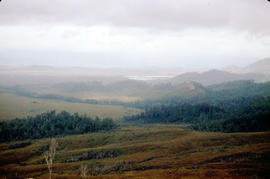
(215, 77)
(261, 66)
(265, 61)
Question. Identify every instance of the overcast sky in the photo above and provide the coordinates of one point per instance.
(134, 33)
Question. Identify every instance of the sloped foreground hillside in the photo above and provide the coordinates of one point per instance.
(147, 151)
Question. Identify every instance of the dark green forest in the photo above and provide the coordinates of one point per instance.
(239, 106)
(237, 115)
(51, 124)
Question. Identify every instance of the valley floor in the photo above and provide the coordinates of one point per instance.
(13, 106)
(147, 151)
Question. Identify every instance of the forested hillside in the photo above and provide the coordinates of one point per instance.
(237, 115)
(197, 93)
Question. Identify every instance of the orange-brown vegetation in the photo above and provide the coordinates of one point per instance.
(149, 151)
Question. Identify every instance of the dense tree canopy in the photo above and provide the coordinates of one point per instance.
(51, 124)
(236, 115)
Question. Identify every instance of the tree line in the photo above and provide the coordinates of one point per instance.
(236, 115)
(51, 124)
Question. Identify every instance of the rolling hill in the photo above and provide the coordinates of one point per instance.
(261, 66)
(216, 76)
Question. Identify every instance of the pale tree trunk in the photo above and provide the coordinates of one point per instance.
(49, 156)
(84, 170)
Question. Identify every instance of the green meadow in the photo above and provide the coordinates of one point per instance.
(12, 106)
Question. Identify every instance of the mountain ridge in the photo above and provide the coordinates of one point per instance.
(214, 76)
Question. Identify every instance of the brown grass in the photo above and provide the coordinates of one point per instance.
(151, 151)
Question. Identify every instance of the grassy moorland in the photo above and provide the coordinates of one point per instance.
(147, 151)
(12, 106)
(158, 143)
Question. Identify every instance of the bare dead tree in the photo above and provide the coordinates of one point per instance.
(49, 156)
(83, 170)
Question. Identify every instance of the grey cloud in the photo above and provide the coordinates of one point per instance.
(243, 15)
